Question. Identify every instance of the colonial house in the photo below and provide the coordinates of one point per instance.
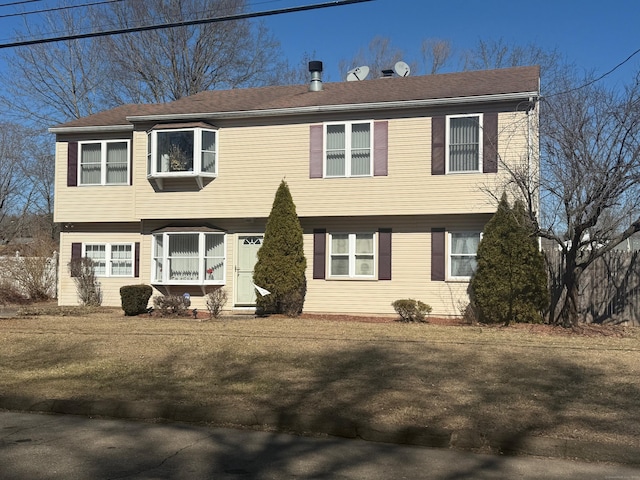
(390, 177)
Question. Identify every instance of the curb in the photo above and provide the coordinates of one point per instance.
(288, 422)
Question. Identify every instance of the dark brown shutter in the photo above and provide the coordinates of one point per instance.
(438, 129)
(136, 260)
(384, 254)
(319, 253)
(437, 255)
(72, 164)
(380, 148)
(76, 254)
(315, 151)
(130, 162)
(490, 143)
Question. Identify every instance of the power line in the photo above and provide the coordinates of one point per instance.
(22, 2)
(184, 23)
(56, 9)
(591, 82)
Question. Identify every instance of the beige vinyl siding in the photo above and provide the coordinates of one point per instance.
(110, 286)
(253, 161)
(108, 203)
(411, 269)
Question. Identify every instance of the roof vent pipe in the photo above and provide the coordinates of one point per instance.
(315, 67)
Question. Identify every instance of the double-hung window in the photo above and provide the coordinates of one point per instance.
(182, 152)
(352, 255)
(464, 143)
(110, 259)
(348, 149)
(104, 162)
(194, 258)
(463, 248)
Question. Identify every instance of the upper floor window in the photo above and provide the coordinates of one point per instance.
(463, 249)
(104, 162)
(464, 143)
(348, 149)
(182, 152)
(352, 255)
(110, 259)
(194, 258)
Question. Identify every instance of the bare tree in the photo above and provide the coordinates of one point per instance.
(54, 82)
(15, 194)
(380, 55)
(589, 180)
(490, 54)
(435, 53)
(168, 64)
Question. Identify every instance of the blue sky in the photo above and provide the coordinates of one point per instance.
(596, 36)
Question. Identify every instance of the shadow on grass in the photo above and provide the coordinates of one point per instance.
(402, 391)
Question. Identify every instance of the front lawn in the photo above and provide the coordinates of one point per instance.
(496, 381)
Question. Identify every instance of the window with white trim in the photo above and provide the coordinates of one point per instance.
(110, 259)
(103, 162)
(463, 249)
(352, 255)
(464, 143)
(194, 258)
(348, 149)
(180, 152)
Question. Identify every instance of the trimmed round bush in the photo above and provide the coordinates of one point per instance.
(135, 298)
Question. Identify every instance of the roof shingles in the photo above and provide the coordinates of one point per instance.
(398, 89)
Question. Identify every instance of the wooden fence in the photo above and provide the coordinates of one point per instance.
(609, 288)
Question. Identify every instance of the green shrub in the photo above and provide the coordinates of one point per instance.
(510, 282)
(134, 298)
(171, 305)
(216, 300)
(281, 263)
(411, 310)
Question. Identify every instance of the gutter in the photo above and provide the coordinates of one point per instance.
(100, 129)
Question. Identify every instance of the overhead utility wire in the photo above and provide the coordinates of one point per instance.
(56, 9)
(606, 74)
(240, 16)
(22, 2)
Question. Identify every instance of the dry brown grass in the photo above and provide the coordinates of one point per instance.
(494, 380)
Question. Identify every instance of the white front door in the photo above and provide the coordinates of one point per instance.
(248, 247)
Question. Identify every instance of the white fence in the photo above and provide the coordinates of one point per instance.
(609, 287)
(25, 272)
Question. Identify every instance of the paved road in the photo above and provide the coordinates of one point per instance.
(39, 446)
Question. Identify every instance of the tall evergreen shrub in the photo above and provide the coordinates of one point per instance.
(281, 262)
(510, 282)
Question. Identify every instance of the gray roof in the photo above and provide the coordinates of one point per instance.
(396, 91)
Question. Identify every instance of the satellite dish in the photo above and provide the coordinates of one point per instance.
(402, 69)
(358, 73)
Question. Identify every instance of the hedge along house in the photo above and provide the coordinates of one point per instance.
(389, 178)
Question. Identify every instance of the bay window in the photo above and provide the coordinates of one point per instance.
(194, 258)
(352, 255)
(104, 162)
(184, 152)
(348, 148)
